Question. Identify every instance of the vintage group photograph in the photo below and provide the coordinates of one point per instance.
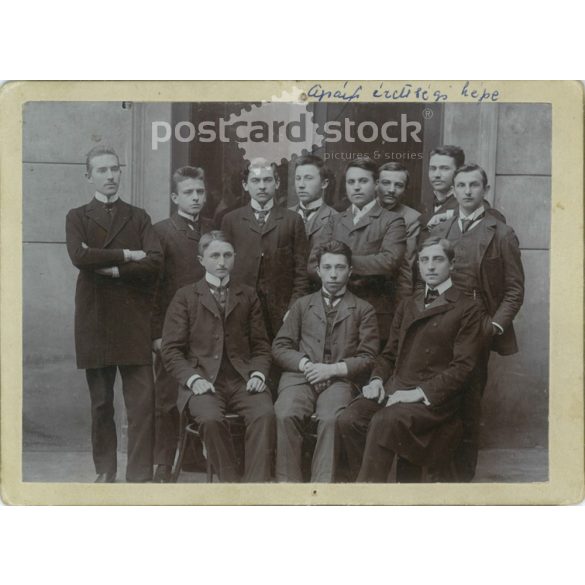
(288, 291)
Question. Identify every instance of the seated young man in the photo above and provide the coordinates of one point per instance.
(328, 343)
(215, 344)
(418, 380)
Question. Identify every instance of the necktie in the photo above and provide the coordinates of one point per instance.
(431, 295)
(467, 223)
(261, 217)
(220, 295)
(330, 299)
(306, 213)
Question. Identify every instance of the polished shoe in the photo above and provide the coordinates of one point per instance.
(162, 474)
(106, 478)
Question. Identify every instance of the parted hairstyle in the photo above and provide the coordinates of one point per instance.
(246, 171)
(396, 166)
(455, 152)
(214, 235)
(316, 161)
(186, 172)
(469, 168)
(333, 247)
(99, 150)
(443, 242)
(365, 163)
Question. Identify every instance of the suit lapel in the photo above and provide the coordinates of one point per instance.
(181, 225)
(440, 305)
(488, 231)
(95, 210)
(121, 218)
(320, 218)
(274, 218)
(233, 299)
(345, 309)
(249, 217)
(316, 306)
(206, 297)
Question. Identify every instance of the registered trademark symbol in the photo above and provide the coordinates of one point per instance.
(427, 113)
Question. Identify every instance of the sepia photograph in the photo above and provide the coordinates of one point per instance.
(336, 284)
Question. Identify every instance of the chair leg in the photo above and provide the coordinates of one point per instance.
(183, 439)
(209, 472)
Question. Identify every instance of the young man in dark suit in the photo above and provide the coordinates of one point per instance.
(377, 239)
(179, 236)
(391, 187)
(118, 255)
(327, 344)
(443, 162)
(272, 244)
(488, 268)
(311, 183)
(215, 345)
(418, 380)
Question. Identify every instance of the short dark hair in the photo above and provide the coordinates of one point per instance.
(333, 247)
(316, 161)
(438, 240)
(99, 150)
(469, 168)
(246, 171)
(365, 163)
(395, 166)
(214, 235)
(455, 152)
(186, 172)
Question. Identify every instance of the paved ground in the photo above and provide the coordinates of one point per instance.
(495, 465)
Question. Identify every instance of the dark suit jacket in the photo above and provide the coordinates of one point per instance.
(316, 227)
(450, 204)
(378, 244)
(354, 338)
(180, 264)
(195, 336)
(281, 247)
(501, 275)
(112, 315)
(434, 348)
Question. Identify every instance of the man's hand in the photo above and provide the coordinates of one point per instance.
(406, 396)
(374, 391)
(106, 271)
(136, 255)
(202, 386)
(316, 373)
(156, 344)
(255, 385)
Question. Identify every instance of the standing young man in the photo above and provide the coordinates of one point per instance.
(215, 345)
(418, 380)
(392, 185)
(118, 256)
(179, 236)
(377, 239)
(272, 243)
(488, 268)
(326, 346)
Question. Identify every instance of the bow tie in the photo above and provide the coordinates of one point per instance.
(431, 295)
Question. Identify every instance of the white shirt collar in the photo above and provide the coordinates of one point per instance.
(257, 207)
(473, 215)
(441, 288)
(338, 294)
(213, 280)
(313, 206)
(103, 199)
(188, 216)
(359, 213)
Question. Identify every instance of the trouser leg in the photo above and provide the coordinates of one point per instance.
(103, 427)
(166, 415)
(353, 425)
(260, 438)
(138, 388)
(378, 457)
(294, 406)
(330, 403)
(208, 411)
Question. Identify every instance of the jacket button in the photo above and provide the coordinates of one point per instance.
(216, 357)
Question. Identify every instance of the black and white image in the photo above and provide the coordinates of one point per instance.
(286, 291)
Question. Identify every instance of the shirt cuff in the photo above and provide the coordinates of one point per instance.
(499, 327)
(426, 401)
(341, 370)
(258, 375)
(304, 361)
(126, 255)
(115, 272)
(192, 380)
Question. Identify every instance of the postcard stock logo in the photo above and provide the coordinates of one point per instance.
(276, 130)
